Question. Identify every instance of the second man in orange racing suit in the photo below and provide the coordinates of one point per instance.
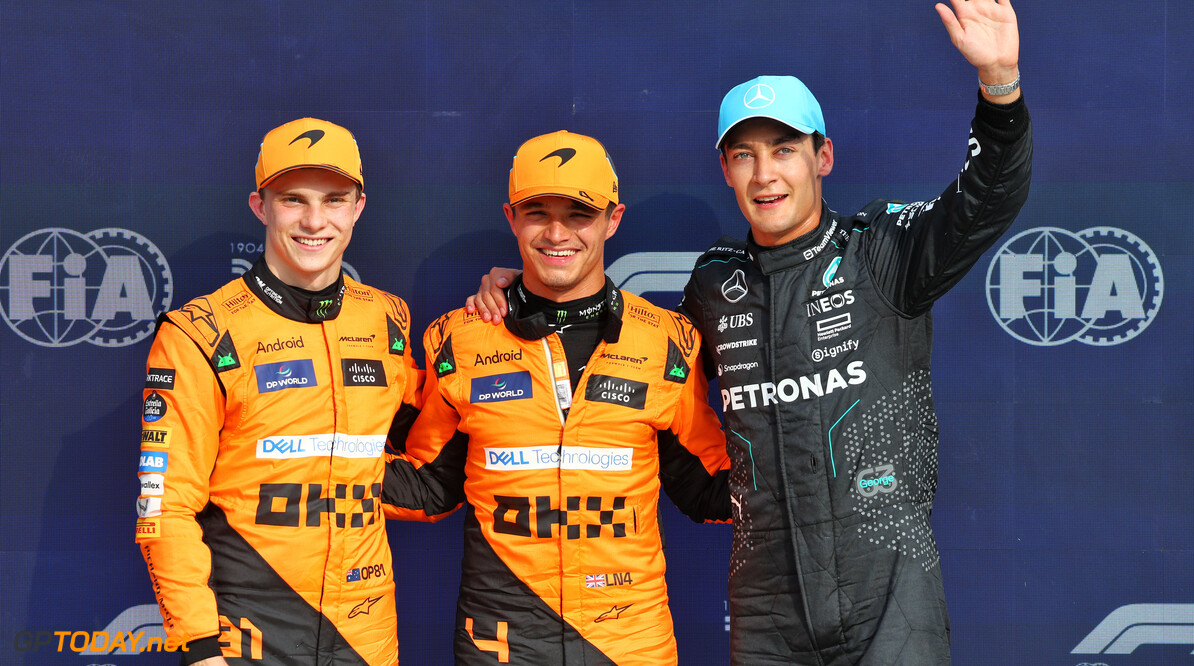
(560, 426)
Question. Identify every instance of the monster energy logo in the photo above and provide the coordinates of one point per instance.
(676, 371)
(398, 346)
(560, 315)
(225, 361)
(322, 310)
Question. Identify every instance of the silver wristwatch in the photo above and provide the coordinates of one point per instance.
(1001, 88)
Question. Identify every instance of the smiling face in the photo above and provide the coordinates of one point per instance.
(776, 175)
(562, 243)
(308, 216)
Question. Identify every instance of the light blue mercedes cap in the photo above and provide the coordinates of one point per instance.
(782, 98)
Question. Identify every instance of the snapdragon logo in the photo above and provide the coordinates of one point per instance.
(816, 385)
(340, 445)
(559, 457)
(59, 287)
(1100, 286)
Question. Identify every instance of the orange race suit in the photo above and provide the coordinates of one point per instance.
(266, 411)
(563, 560)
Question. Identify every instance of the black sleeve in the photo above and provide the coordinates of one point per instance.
(699, 495)
(917, 252)
(435, 488)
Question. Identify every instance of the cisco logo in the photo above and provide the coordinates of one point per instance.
(1100, 286)
(60, 287)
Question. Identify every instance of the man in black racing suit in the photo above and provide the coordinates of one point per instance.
(819, 327)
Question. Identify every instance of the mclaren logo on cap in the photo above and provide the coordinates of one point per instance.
(311, 135)
(564, 154)
(758, 96)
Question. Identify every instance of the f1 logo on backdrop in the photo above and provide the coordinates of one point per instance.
(1129, 627)
(643, 272)
(1100, 286)
(60, 287)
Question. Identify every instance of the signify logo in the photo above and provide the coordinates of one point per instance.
(498, 388)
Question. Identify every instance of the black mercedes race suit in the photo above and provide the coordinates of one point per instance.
(822, 349)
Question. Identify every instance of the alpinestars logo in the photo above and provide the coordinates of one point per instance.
(734, 289)
(1100, 286)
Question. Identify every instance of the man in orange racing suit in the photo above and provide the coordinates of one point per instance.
(266, 409)
(560, 426)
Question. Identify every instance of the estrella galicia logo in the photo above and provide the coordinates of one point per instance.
(1100, 286)
(155, 407)
(874, 480)
(285, 375)
(363, 372)
(61, 287)
(499, 388)
(154, 462)
(734, 289)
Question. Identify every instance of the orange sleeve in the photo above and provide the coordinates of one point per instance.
(425, 479)
(180, 437)
(694, 466)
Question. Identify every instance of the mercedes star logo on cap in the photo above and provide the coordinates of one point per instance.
(758, 96)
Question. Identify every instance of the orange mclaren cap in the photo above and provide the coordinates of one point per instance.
(566, 165)
(308, 143)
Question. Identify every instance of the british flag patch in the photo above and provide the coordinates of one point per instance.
(595, 580)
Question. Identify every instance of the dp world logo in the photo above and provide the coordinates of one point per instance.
(59, 287)
(1100, 286)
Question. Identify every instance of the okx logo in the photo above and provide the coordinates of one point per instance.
(59, 287)
(1099, 286)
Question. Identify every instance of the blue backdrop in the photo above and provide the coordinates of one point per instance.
(1063, 363)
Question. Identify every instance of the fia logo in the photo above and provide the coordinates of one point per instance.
(60, 287)
(1100, 286)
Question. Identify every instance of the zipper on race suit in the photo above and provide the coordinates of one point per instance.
(557, 370)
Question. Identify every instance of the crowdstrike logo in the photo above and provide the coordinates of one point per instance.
(734, 289)
(1100, 286)
(758, 96)
(788, 389)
